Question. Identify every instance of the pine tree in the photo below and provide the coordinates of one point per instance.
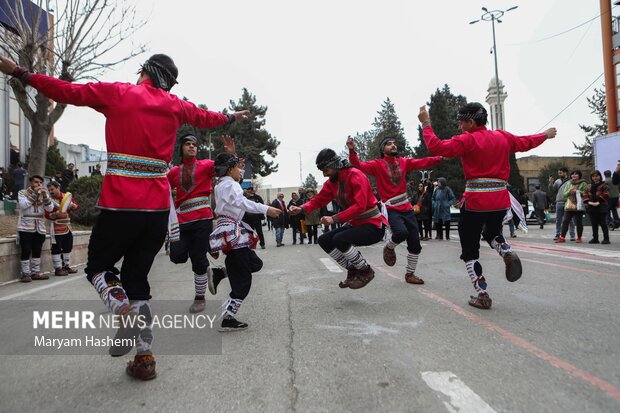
(387, 124)
(598, 106)
(443, 107)
(310, 182)
(55, 162)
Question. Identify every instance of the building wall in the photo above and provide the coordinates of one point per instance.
(530, 167)
(83, 157)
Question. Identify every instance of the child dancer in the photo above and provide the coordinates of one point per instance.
(234, 237)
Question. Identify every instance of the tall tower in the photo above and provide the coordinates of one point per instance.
(497, 108)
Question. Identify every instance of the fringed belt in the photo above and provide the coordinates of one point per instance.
(485, 185)
(397, 200)
(369, 214)
(193, 204)
(132, 166)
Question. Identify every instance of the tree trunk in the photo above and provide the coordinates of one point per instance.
(38, 148)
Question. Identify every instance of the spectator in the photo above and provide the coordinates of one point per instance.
(1, 183)
(596, 200)
(281, 222)
(573, 208)
(426, 211)
(560, 200)
(68, 176)
(19, 178)
(295, 221)
(269, 220)
(255, 220)
(443, 198)
(539, 199)
(614, 194)
(329, 210)
(313, 219)
(96, 171)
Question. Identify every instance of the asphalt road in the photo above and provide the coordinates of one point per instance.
(550, 343)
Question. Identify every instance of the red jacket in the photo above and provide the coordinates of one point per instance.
(385, 186)
(484, 154)
(192, 203)
(353, 192)
(140, 131)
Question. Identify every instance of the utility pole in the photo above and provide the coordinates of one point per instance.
(610, 70)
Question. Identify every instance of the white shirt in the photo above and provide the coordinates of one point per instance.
(230, 201)
(31, 218)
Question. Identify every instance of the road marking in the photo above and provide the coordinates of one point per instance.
(330, 265)
(610, 389)
(43, 287)
(462, 398)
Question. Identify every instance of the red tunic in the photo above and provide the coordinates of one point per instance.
(353, 192)
(386, 186)
(192, 202)
(484, 154)
(61, 220)
(141, 126)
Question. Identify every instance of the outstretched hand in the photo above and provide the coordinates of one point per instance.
(350, 143)
(7, 66)
(244, 114)
(294, 210)
(273, 212)
(423, 116)
(551, 132)
(229, 144)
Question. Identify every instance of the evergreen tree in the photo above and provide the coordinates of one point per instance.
(252, 141)
(386, 124)
(598, 106)
(311, 182)
(443, 108)
(55, 162)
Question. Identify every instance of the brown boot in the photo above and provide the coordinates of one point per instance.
(142, 367)
(60, 272)
(70, 270)
(363, 277)
(389, 256)
(350, 276)
(411, 278)
(25, 278)
(513, 266)
(198, 305)
(482, 301)
(39, 276)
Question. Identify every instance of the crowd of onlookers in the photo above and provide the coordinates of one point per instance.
(435, 206)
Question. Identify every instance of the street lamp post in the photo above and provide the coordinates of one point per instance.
(492, 16)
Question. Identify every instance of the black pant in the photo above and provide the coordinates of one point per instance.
(599, 219)
(568, 215)
(347, 235)
(404, 226)
(258, 227)
(31, 243)
(612, 203)
(313, 231)
(134, 236)
(470, 228)
(540, 216)
(240, 264)
(64, 243)
(193, 244)
(440, 227)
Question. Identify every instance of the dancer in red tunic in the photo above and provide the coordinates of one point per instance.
(485, 155)
(365, 224)
(141, 125)
(390, 172)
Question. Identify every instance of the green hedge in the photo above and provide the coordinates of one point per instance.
(86, 191)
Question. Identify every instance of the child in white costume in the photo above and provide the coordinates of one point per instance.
(234, 237)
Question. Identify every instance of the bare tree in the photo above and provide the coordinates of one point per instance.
(76, 45)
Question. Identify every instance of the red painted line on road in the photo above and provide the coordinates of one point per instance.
(573, 269)
(606, 387)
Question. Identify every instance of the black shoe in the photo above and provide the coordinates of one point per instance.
(215, 276)
(593, 241)
(262, 247)
(232, 324)
(605, 241)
